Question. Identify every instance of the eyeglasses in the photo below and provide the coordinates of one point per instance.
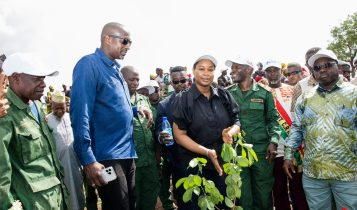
(328, 65)
(292, 73)
(179, 81)
(124, 41)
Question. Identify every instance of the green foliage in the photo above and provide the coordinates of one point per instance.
(344, 43)
(208, 195)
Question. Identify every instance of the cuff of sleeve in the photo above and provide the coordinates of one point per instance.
(274, 140)
(135, 111)
(87, 158)
(288, 153)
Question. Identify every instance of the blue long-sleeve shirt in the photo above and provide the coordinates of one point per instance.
(101, 113)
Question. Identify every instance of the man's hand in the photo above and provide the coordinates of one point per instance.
(164, 137)
(93, 174)
(228, 133)
(271, 152)
(145, 112)
(211, 153)
(288, 165)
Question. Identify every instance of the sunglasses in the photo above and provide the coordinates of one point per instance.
(124, 41)
(179, 81)
(328, 65)
(292, 73)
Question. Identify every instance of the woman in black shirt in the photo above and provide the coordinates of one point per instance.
(200, 115)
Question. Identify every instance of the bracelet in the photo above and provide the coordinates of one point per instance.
(207, 152)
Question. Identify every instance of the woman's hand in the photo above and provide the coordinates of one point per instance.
(211, 153)
(228, 133)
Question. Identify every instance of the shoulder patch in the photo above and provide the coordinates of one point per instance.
(266, 87)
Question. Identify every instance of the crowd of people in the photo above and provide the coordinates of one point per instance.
(59, 153)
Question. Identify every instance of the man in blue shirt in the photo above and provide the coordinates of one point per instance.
(102, 119)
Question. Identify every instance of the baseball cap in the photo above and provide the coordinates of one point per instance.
(272, 63)
(26, 63)
(150, 89)
(323, 53)
(240, 60)
(207, 57)
(58, 97)
(153, 83)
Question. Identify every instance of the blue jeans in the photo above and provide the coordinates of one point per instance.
(319, 193)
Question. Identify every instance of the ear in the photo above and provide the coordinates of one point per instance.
(107, 40)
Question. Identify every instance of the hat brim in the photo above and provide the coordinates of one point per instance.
(315, 57)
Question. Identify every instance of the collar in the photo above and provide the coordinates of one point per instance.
(337, 86)
(255, 86)
(105, 58)
(197, 93)
(14, 99)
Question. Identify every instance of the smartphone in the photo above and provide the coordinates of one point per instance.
(108, 174)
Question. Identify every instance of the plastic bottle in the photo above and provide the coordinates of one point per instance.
(166, 127)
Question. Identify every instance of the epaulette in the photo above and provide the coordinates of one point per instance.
(229, 87)
(266, 87)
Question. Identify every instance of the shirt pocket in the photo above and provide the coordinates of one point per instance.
(32, 146)
(256, 106)
(345, 117)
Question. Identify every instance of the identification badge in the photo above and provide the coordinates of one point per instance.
(257, 100)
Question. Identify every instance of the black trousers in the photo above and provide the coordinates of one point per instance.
(119, 194)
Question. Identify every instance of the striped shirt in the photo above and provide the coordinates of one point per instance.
(328, 123)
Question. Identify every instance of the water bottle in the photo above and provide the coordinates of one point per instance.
(166, 127)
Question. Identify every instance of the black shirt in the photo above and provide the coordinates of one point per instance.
(204, 119)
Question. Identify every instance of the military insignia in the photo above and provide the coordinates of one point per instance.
(257, 100)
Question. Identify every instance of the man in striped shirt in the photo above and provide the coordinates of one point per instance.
(325, 117)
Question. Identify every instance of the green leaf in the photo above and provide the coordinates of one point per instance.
(228, 202)
(202, 160)
(242, 161)
(226, 153)
(230, 192)
(180, 181)
(187, 195)
(193, 163)
(186, 184)
(251, 151)
(236, 177)
(197, 180)
(197, 191)
(191, 181)
(238, 192)
(244, 154)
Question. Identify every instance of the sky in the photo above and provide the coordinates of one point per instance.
(168, 33)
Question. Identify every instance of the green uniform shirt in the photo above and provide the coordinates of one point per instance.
(29, 169)
(258, 116)
(143, 138)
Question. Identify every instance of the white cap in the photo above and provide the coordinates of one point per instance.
(153, 83)
(240, 60)
(271, 63)
(150, 89)
(207, 57)
(323, 53)
(27, 64)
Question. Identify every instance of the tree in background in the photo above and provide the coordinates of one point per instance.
(344, 43)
